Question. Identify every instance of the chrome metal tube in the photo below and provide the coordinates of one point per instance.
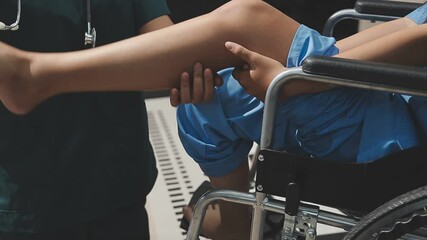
(351, 14)
(208, 198)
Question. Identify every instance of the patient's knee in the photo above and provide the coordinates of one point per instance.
(243, 12)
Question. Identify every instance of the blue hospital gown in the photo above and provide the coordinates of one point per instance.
(343, 124)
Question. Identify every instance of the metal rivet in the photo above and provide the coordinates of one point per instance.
(261, 158)
(259, 188)
(311, 233)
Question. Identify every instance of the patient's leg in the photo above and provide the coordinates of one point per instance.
(156, 60)
(227, 221)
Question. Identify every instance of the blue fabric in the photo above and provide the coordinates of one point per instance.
(342, 124)
(308, 42)
(388, 127)
(418, 107)
(218, 135)
(419, 15)
(328, 125)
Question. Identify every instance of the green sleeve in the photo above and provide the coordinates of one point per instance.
(147, 10)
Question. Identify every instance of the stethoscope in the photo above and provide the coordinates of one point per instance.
(14, 26)
(90, 34)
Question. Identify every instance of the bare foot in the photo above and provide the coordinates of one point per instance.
(18, 93)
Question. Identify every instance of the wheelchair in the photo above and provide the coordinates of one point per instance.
(382, 199)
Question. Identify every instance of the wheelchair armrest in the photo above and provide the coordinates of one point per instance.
(401, 77)
(385, 7)
(373, 10)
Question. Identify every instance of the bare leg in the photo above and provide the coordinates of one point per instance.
(374, 33)
(406, 47)
(156, 60)
(233, 221)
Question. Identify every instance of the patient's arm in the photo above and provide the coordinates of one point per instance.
(406, 47)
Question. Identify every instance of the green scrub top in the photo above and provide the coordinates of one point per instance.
(76, 157)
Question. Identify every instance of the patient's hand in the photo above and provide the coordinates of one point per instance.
(201, 89)
(257, 73)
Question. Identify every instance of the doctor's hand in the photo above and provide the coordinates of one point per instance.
(200, 89)
(257, 72)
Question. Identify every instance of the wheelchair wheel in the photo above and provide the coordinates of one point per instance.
(404, 217)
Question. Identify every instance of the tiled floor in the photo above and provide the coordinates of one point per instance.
(178, 176)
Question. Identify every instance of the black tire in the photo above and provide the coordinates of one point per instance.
(384, 217)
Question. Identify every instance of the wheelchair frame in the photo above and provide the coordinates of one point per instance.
(300, 218)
